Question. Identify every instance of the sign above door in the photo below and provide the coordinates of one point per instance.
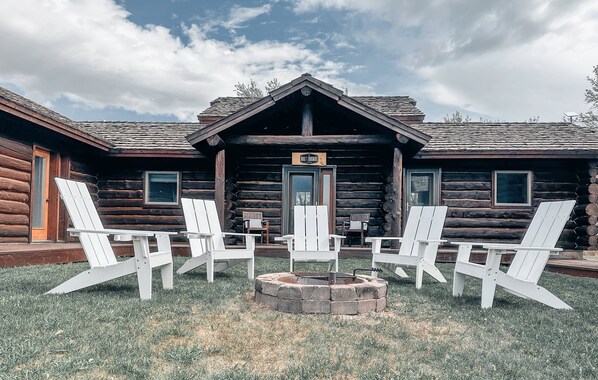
(309, 159)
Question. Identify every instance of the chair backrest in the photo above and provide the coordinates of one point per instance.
(356, 219)
(424, 222)
(84, 216)
(201, 216)
(254, 218)
(311, 228)
(544, 231)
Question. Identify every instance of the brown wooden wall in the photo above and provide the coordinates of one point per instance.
(121, 197)
(255, 178)
(466, 188)
(15, 178)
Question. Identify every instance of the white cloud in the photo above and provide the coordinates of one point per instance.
(90, 53)
(510, 59)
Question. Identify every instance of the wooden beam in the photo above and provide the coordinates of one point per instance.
(311, 140)
(402, 139)
(216, 142)
(397, 183)
(219, 179)
(307, 122)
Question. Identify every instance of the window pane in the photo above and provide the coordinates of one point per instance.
(38, 192)
(163, 187)
(512, 188)
(301, 189)
(421, 189)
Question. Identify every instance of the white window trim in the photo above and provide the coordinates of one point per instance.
(146, 188)
(437, 172)
(529, 187)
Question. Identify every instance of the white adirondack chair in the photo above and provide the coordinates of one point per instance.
(528, 263)
(102, 260)
(207, 243)
(419, 245)
(312, 239)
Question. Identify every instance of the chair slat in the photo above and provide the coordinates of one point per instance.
(214, 223)
(299, 228)
(410, 232)
(191, 224)
(322, 222)
(311, 229)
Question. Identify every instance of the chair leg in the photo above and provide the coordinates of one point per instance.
(433, 272)
(210, 267)
(250, 268)
(419, 274)
(361, 246)
(167, 276)
(144, 269)
(95, 276)
(458, 284)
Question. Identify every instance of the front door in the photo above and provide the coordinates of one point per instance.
(308, 186)
(40, 194)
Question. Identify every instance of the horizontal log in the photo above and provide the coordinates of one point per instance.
(13, 185)
(592, 209)
(587, 241)
(586, 199)
(378, 195)
(120, 202)
(200, 185)
(321, 140)
(257, 185)
(555, 195)
(514, 234)
(14, 230)
(509, 213)
(466, 194)
(359, 177)
(14, 174)
(146, 210)
(555, 186)
(143, 219)
(12, 196)
(358, 203)
(15, 163)
(11, 207)
(593, 188)
(120, 184)
(472, 203)
(486, 223)
(256, 176)
(260, 195)
(22, 239)
(586, 230)
(149, 227)
(456, 185)
(448, 176)
(14, 219)
(120, 194)
(16, 149)
(81, 167)
(255, 204)
(360, 186)
(83, 177)
(197, 193)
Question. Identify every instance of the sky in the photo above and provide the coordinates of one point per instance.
(165, 60)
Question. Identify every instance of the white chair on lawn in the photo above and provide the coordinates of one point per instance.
(102, 260)
(528, 263)
(419, 245)
(207, 243)
(311, 241)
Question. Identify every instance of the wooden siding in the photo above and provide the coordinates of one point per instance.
(121, 194)
(15, 179)
(466, 188)
(361, 179)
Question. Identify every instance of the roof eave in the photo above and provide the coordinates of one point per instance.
(503, 154)
(36, 118)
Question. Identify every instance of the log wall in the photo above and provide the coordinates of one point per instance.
(360, 183)
(15, 178)
(466, 188)
(121, 194)
(586, 210)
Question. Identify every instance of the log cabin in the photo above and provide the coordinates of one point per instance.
(306, 142)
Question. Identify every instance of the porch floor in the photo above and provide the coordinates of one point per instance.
(12, 255)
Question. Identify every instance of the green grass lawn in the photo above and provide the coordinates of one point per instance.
(214, 331)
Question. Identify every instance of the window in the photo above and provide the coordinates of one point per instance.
(422, 188)
(512, 188)
(162, 188)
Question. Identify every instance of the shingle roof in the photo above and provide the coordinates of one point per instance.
(389, 105)
(41, 110)
(467, 137)
(143, 135)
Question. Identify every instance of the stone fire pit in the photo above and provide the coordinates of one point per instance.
(313, 293)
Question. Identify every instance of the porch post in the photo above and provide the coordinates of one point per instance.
(307, 120)
(397, 191)
(219, 179)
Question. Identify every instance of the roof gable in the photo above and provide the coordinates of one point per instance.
(305, 81)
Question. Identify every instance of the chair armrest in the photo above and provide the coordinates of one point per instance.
(513, 247)
(431, 241)
(238, 234)
(472, 243)
(284, 238)
(195, 235)
(335, 236)
(372, 239)
(108, 231)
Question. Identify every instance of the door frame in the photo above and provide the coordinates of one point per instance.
(52, 225)
(318, 171)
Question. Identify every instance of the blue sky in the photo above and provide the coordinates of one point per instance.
(165, 60)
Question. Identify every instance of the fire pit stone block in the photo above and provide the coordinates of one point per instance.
(343, 307)
(343, 293)
(316, 307)
(315, 293)
(289, 291)
(366, 306)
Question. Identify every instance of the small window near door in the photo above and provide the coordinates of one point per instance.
(512, 188)
(162, 188)
(422, 187)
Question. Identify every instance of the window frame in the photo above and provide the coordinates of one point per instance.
(437, 187)
(146, 188)
(529, 188)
